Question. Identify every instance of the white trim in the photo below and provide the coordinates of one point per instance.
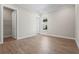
(1, 42)
(76, 32)
(10, 7)
(26, 36)
(1, 23)
(7, 36)
(57, 36)
(77, 43)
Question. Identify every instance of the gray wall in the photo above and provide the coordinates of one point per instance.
(26, 22)
(77, 25)
(61, 22)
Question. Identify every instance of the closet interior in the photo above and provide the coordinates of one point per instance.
(7, 24)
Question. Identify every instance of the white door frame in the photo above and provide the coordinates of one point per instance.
(1, 24)
(10, 7)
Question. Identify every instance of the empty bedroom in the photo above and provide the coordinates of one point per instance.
(39, 29)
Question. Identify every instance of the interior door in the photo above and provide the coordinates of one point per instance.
(14, 24)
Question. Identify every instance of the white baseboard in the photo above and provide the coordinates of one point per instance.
(25, 36)
(10, 36)
(57, 36)
(1, 42)
(7, 36)
(77, 43)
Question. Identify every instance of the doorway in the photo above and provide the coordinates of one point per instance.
(9, 24)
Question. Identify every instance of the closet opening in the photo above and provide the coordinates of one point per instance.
(9, 24)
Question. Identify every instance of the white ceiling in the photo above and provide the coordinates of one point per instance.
(43, 8)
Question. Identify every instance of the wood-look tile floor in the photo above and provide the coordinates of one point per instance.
(39, 44)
